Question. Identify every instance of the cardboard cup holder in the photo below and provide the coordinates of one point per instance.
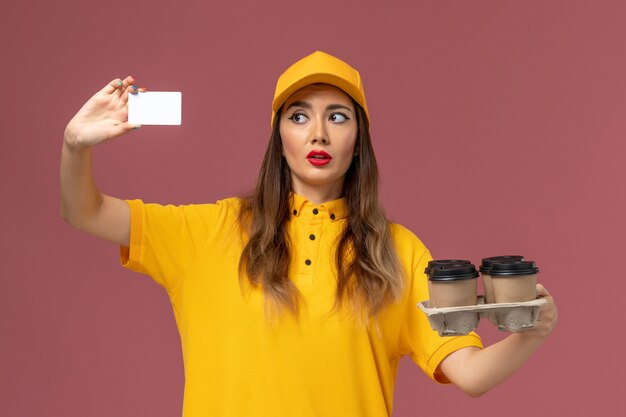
(458, 321)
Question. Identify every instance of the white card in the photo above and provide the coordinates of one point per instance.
(155, 108)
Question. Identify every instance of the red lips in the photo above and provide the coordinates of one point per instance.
(318, 158)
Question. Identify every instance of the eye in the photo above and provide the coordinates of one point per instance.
(339, 117)
(298, 118)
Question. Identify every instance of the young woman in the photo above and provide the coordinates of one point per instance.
(299, 299)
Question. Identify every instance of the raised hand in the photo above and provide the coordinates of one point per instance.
(104, 116)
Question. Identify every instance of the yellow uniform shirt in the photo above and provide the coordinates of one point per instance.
(237, 363)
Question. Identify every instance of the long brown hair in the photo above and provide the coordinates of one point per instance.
(369, 273)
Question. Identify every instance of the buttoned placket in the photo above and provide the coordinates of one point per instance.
(313, 237)
(311, 228)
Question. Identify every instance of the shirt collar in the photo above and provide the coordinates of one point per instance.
(334, 210)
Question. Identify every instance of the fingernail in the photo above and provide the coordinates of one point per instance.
(134, 87)
(119, 83)
(136, 127)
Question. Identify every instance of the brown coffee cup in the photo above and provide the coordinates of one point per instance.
(514, 282)
(451, 284)
(485, 272)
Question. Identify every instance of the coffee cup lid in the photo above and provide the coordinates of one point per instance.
(444, 262)
(452, 272)
(486, 263)
(509, 269)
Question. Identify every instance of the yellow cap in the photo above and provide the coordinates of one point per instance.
(319, 67)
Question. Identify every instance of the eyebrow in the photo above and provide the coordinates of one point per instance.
(308, 106)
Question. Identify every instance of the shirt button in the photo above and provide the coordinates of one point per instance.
(315, 211)
(332, 216)
(295, 212)
(308, 262)
(312, 237)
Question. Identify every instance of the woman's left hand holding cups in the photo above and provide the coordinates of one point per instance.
(548, 316)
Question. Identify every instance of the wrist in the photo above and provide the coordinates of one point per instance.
(530, 337)
(71, 143)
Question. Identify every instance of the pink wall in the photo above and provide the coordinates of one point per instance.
(508, 116)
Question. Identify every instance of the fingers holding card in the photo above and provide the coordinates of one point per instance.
(155, 108)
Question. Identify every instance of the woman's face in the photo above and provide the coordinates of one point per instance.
(318, 129)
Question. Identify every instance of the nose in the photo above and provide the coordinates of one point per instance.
(319, 133)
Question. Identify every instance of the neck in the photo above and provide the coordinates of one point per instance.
(318, 195)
